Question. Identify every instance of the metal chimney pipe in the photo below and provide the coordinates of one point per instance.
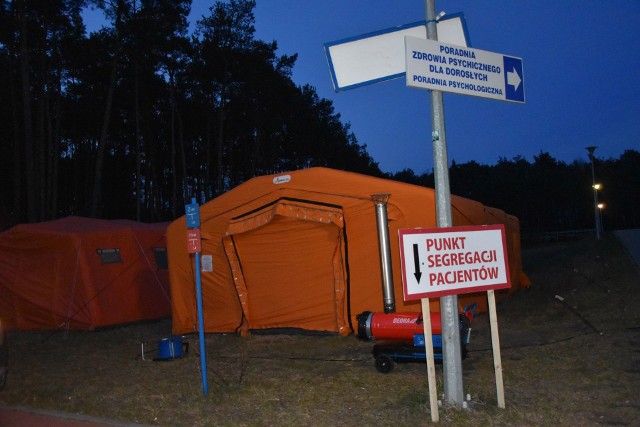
(382, 221)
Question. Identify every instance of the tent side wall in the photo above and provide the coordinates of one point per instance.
(38, 279)
(223, 312)
(132, 290)
(51, 275)
(469, 212)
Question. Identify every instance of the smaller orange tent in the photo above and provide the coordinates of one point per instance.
(82, 273)
(300, 250)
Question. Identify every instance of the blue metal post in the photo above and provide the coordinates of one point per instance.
(203, 358)
(192, 213)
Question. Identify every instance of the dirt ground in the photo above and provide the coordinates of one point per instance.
(570, 355)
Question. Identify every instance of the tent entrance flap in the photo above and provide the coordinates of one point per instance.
(288, 266)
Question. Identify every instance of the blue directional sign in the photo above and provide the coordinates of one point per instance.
(192, 214)
(439, 66)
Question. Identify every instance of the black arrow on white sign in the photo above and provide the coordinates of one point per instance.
(416, 263)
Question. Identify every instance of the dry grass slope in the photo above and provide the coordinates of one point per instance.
(567, 362)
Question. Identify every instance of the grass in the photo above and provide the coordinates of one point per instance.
(568, 361)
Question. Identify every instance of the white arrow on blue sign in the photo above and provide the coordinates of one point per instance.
(449, 68)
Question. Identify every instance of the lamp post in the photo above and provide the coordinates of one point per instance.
(600, 207)
(591, 150)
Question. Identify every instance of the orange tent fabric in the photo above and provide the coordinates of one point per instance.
(300, 250)
(52, 274)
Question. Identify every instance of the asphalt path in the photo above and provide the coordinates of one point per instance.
(631, 240)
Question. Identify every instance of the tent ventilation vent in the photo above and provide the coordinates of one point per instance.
(161, 257)
(110, 256)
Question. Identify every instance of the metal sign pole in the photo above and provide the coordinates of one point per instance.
(201, 339)
(192, 219)
(451, 352)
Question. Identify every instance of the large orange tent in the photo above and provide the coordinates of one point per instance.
(300, 250)
(82, 273)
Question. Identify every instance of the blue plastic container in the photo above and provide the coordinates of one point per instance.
(171, 348)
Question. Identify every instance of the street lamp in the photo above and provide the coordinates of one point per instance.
(600, 207)
(590, 150)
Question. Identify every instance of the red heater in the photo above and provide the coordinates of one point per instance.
(400, 336)
(381, 326)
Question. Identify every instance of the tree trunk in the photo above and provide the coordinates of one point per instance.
(17, 160)
(30, 177)
(42, 136)
(54, 151)
(138, 138)
(97, 183)
(220, 149)
(183, 159)
(172, 141)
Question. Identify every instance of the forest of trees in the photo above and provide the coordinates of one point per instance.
(133, 120)
(550, 195)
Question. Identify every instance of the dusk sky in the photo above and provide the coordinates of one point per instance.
(581, 64)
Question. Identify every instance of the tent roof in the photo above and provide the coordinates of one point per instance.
(83, 225)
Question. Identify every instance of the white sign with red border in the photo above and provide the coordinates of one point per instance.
(453, 260)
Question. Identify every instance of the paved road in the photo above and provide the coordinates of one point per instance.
(31, 417)
(631, 240)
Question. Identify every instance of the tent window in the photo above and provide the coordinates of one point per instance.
(161, 258)
(110, 256)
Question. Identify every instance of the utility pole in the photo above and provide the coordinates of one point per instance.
(451, 351)
(591, 150)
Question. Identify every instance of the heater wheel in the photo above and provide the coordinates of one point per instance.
(384, 363)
